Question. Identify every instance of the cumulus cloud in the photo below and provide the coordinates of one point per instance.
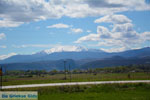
(2, 57)
(9, 23)
(104, 4)
(145, 36)
(125, 31)
(2, 36)
(114, 49)
(16, 12)
(59, 25)
(76, 30)
(121, 4)
(115, 19)
(90, 37)
(103, 32)
(122, 35)
(13, 13)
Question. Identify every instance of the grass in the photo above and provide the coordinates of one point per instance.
(138, 91)
(58, 78)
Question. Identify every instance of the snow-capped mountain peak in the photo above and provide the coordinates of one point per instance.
(2, 57)
(64, 49)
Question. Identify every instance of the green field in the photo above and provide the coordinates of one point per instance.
(17, 80)
(140, 91)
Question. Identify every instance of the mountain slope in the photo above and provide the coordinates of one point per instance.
(43, 56)
(79, 64)
(116, 61)
(135, 53)
(22, 58)
(40, 65)
(75, 54)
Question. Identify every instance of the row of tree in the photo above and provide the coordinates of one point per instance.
(120, 69)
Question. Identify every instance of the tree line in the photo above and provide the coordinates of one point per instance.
(119, 69)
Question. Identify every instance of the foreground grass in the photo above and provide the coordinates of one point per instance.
(140, 91)
(14, 80)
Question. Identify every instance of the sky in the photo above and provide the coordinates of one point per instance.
(30, 26)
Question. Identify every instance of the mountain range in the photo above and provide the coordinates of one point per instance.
(76, 58)
(56, 54)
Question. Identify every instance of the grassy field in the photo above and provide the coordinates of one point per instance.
(15, 80)
(138, 91)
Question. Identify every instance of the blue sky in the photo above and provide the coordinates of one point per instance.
(27, 27)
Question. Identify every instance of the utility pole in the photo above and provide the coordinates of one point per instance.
(70, 72)
(5, 74)
(65, 69)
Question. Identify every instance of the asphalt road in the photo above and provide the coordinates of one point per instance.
(74, 83)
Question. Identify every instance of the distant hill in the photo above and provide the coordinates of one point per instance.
(89, 58)
(45, 55)
(135, 53)
(116, 61)
(75, 55)
(41, 65)
(78, 64)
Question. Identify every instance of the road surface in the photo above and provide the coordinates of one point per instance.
(74, 83)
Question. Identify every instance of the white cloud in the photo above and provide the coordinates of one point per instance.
(119, 49)
(84, 8)
(9, 23)
(121, 36)
(145, 36)
(13, 13)
(115, 19)
(76, 30)
(90, 37)
(16, 12)
(59, 25)
(122, 27)
(2, 36)
(114, 49)
(2, 57)
(103, 32)
(68, 48)
(110, 42)
(103, 4)
(123, 5)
